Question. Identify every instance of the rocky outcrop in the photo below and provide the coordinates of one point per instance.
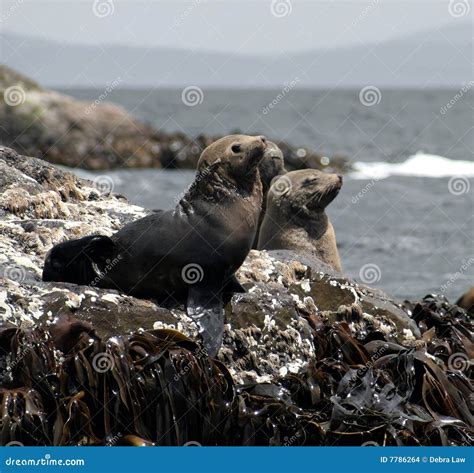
(101, 135)
(305, 348)
(268, 329)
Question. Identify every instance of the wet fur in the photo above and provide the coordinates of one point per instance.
(296, 219)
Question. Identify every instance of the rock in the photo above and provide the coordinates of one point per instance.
(303, 158)
(309, 357)
(268, 329)
(65, 131)
(101, 135)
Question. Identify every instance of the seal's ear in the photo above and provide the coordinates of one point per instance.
(99, 246)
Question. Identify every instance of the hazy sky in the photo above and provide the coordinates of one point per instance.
(243, 26)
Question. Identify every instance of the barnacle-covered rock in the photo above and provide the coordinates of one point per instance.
(309, 356)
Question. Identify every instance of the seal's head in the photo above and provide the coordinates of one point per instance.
(271, 165)
(77, 261)
(307, 190)
(236, 157)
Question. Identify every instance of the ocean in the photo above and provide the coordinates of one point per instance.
(404, 218)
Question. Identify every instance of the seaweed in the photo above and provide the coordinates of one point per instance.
(67, 386)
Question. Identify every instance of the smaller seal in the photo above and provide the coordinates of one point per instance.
(296, 219)
(271, 166)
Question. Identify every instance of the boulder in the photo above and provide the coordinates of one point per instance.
(101, 135)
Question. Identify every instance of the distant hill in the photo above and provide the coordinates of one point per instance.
(435, 58)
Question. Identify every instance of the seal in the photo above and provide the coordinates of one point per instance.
(189, 253)
(466, 301)
(296, 219)
(271, 166)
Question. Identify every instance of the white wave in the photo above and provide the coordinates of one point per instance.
(418, 165)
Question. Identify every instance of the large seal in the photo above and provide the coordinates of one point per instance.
(271, 166)
(296, 219)
(188, 253)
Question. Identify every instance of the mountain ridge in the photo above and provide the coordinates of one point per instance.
(439, 58)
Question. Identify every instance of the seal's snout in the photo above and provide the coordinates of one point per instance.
(340, 178)
(260, 146)
(262, 142)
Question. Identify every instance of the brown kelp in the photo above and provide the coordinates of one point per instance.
(66, 386)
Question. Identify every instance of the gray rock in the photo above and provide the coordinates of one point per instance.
(102, 135)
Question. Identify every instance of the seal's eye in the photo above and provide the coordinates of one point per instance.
(236, 148)
(309, 182)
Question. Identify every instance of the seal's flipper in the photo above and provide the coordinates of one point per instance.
(78, 261)
(205, 307)
(231, 287)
